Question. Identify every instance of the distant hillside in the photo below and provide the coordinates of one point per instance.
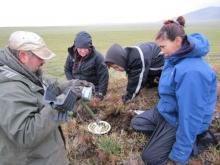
(204, 15)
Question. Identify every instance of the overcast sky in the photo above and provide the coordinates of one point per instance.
(87, 12)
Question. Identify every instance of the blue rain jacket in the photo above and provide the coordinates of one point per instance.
(188, 94)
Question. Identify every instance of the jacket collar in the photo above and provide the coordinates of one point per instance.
(183, 52)
(8, 58)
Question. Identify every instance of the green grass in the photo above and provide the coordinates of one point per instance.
(59, 39)
(109, 146)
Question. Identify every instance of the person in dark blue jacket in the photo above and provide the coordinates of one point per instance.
(188, 95)
(84, 62)
(142, 63)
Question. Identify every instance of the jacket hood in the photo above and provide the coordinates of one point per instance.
(82, 40)
(116, 55)
(201, 44)
(8, 58)
(195, 45)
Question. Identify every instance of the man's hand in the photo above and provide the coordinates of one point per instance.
(62, 102)
(75, 85)
(84, 83)
(65, 101)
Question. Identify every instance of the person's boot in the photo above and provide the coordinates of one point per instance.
(203, 142)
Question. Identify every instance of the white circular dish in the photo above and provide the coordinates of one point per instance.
(99, 129)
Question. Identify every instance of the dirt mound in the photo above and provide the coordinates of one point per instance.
(119, 120)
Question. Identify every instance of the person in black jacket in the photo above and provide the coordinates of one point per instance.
(142, 63)
(84, 62)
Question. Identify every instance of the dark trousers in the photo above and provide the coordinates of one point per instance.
(162, 138)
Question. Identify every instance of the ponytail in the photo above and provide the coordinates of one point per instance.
(172, 29)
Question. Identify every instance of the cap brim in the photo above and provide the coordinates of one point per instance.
(44, 53)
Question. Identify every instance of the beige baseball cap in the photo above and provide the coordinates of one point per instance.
(29, 41)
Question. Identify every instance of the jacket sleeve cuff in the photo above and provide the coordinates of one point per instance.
(179, 156)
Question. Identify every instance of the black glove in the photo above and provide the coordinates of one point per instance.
(203, 142)
(62, 102)
(51, 92)
(65, 101)
(126, 98)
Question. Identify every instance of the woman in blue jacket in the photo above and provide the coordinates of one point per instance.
(188, 94)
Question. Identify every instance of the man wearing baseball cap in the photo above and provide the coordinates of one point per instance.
(30, 131)
(29, 41)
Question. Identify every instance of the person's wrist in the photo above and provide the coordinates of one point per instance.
(99, 95)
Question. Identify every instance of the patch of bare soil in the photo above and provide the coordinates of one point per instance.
(119, 120)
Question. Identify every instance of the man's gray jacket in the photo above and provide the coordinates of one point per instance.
(28, 133)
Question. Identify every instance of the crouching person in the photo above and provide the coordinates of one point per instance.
(30, 130)
(85, 62)
(188, 94)
(142, 63)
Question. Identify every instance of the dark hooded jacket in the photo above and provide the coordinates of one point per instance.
(90, 68)
(142, 64)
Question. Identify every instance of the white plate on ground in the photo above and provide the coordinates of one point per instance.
(99, 129)
(138, 112)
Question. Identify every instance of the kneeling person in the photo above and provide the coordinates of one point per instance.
(84, 62)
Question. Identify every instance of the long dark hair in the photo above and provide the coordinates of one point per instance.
(172, 29)
(78, 58)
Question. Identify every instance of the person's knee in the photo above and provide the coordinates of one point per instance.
(134, 123)
(139, 123)
(146, 156)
